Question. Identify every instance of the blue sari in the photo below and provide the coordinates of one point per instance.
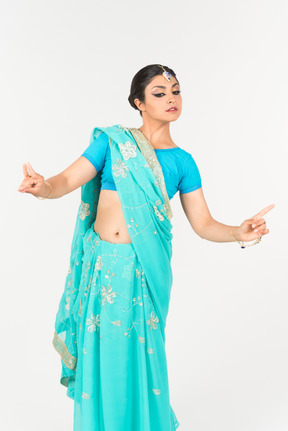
(116, 370)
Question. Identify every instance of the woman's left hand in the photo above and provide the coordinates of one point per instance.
(254, 227)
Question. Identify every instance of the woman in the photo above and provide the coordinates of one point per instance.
(110, 326)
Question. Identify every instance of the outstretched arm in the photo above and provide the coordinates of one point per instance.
(202, 222)
(74, 176)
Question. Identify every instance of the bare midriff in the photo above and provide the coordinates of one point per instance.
(110, 222)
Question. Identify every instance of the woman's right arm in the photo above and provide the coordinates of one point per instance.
(78, 173)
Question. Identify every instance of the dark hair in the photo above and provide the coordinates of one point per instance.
(143, 78)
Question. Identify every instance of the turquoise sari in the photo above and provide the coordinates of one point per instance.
(132, 393)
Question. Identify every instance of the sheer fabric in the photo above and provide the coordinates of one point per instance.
(110, 325)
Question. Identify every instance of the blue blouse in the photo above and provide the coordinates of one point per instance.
(178, 166)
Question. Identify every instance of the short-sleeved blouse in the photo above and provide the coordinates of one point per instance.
(179, 168)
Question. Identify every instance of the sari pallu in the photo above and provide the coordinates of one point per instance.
(140, 185)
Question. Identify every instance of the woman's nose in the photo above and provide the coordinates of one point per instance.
(172, 98)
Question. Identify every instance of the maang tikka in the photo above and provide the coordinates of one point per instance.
(167, 75)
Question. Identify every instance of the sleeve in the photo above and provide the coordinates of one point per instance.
(191, 178)
(96, 151)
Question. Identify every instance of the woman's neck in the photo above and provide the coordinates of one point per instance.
(157, 134)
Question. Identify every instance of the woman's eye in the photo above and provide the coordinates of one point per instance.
(160, 94)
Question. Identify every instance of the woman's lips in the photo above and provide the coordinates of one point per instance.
(172, 109)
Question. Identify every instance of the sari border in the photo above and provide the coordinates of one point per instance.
(148, 152)
(69, 360)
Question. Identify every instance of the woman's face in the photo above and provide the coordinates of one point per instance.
(161, 95)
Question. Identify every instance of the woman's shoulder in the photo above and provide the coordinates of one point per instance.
(185, 161)
(113, 127)
(187, 154)
(103, 132)
(180, 153)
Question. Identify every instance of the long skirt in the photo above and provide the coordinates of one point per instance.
(121, 379)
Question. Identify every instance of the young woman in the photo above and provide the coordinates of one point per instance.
(110, 326)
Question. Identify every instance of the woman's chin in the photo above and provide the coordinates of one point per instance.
(171, 118)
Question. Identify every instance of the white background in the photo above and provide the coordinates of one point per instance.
(66, 67)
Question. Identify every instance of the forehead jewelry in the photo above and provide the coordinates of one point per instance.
(167, 75)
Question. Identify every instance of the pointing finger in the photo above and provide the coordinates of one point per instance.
(263, 212)
(31, 169)
(25, 170)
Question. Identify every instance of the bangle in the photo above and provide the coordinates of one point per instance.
(42, 199)
(246, 245)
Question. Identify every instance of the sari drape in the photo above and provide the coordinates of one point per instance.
(141, 189)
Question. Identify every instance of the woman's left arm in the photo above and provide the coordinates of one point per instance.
(202, 222)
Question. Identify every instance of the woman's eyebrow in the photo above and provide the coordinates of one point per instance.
(163, 86)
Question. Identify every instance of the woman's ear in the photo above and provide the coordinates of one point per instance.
(139, 104)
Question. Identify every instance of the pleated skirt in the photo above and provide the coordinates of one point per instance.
(121, 378)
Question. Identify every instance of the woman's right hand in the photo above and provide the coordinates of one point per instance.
(33, 183)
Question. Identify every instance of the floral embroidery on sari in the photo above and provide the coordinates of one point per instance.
(153, 321)
(107, 294)
(149, 154)
(84, 210)
(120, 168)
(93, 322)
(128, 150)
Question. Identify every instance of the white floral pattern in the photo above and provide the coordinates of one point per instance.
(153, 321)
(99, 263)
(84, 210)
(120, 168)
(107, 295)
(93, 322)
(128, 150)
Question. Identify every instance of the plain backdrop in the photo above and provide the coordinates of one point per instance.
(66, 67)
